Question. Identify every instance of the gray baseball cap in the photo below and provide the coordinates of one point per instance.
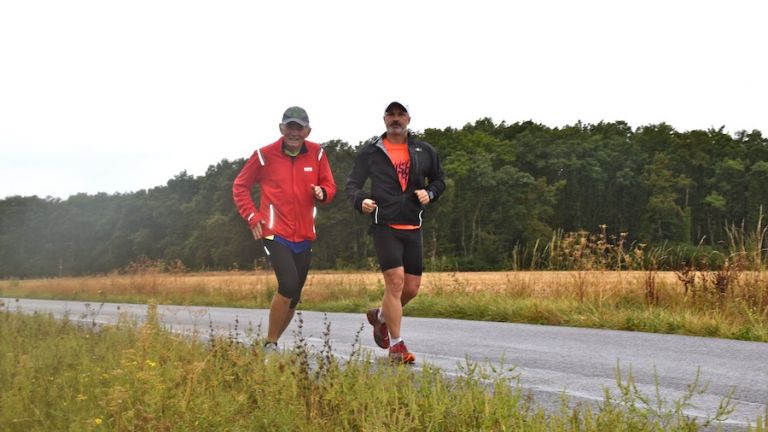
(296, 114)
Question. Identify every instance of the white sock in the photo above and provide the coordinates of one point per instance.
(381, 317)
(395, 341)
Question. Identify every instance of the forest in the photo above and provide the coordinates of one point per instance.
(514, 192)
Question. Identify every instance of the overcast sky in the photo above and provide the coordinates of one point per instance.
(107, 96)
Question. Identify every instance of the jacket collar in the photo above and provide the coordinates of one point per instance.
(379, 141)
(302, 150)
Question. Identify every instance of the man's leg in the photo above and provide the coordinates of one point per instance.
(401, 284)
(301, 261)
(410, 288)
(391, 304)
(284, 301)
(280, 315)
(392, 312)
(413, 263)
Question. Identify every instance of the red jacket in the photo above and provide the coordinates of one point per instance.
(287, 206)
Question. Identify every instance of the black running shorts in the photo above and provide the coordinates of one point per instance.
(398, 248)
(290, 268)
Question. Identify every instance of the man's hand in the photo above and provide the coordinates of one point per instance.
(256, 230)
(369, 205)
(318, 192)
(422, 195)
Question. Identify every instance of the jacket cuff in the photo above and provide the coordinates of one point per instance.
(359, 202)
(252, 220)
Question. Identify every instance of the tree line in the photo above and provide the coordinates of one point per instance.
(512, 188)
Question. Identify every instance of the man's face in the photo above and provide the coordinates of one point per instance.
(294, 134)
(396, 120)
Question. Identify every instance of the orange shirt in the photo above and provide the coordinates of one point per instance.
(401, 160)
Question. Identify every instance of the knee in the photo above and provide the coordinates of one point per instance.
(394, 283)
(410, 291)
(286, 291)
(294, 296)
(290, 290)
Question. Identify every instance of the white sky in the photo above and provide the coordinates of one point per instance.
(107, 96)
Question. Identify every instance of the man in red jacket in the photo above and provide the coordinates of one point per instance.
(293, 174)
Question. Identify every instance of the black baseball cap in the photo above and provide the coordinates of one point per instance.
(402, 105)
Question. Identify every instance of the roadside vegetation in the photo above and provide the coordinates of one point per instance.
(74, 375)
(608, 285)
(596, 299)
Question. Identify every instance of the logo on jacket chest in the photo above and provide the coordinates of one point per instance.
(308, 169)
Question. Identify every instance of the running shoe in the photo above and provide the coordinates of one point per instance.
(270, 348)
(380, 332)
(398, 353)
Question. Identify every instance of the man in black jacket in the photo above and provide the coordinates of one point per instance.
(405, 177)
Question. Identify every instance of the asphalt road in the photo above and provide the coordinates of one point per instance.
(551, 361)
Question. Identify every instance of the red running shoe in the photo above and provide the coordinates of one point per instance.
(380, 332)
(398, 353)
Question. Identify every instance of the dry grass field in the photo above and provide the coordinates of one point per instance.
(729, 304)
(529, 283)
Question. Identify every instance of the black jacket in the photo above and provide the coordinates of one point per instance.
(393, 206)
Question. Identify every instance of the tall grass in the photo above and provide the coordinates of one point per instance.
(59, 375)
(608, 285)
(584, 250)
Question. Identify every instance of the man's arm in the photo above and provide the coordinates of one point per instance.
(241, 191)
(436, 177)
(326, 181)
(355, 181)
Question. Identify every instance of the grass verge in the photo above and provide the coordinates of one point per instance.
(59, 375)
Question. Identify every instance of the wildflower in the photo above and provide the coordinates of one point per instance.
(150, 363)
(97, 421)
(81, 397)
